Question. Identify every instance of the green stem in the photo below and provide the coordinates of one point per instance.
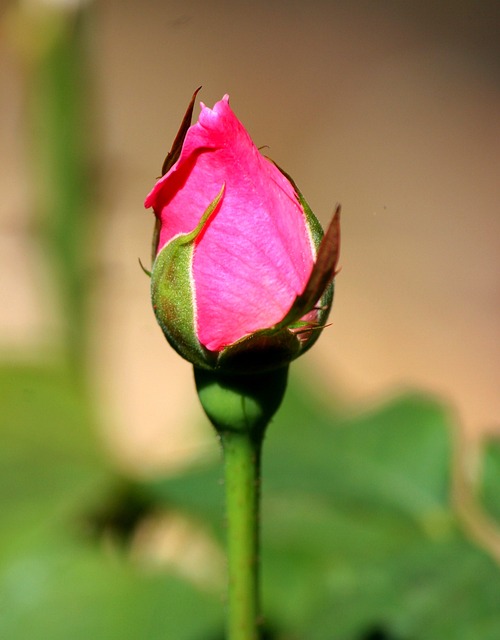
(242, 480)
(240, 407)
(61, 135)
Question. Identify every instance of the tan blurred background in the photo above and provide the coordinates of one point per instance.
(391, 108)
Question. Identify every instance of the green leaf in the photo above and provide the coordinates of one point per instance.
(490, 485)
(57, 579)
(61, 588)
(359, 536)
(48, 451)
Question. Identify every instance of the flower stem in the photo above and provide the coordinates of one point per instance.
(242, 480)
(240, 407)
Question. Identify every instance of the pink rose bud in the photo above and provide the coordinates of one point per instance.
(242, 279)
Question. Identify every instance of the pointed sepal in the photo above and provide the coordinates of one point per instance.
(172, 292)
(322, 274)
(175, 151)
(170, 160)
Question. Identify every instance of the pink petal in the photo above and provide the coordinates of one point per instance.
(255, 255)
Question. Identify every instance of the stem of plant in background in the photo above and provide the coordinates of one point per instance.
(240, 407)
(56, 50)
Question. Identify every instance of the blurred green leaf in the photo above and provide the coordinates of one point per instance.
(360, 539)
(48, 452)
(62, 589)
(490, 483)
(56, 580)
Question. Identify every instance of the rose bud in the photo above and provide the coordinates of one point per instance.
(242, 278)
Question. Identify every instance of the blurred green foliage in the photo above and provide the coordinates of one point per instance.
(360, 538)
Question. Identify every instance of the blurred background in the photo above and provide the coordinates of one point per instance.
(390, 108)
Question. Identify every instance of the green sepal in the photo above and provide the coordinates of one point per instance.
(175, 151)
(172, 293)
(319, 289)
(321, 277)
(170, 160)
(312, 221)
